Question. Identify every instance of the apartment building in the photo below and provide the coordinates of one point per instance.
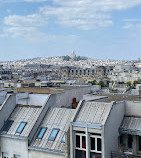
(72, 72)
(106, 126)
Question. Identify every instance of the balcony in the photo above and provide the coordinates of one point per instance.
(123, 155)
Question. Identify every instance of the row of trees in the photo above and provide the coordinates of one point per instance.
(94, 82)
(78, 58)
(128, 83)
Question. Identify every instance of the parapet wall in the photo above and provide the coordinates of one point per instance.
(65, 99)
(133, 108)
(6, 108)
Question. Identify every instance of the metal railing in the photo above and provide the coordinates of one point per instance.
(122, 155)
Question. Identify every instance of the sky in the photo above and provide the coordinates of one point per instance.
(99, 29)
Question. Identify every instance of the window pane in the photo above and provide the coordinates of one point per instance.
(4, 155)
(53, 134)
(80, 154)
(139, 143)
(130, 140)
(84, 142)
(17, 156)
(41, 133)
(98, 144)
(63, 139)
(95, 155)
(92, 143)
(21, 127)
(7, 125)
(77, 141)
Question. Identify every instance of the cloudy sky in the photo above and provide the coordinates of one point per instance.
(101, 29)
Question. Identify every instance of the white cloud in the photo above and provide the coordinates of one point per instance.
(132, 20)
(11, 1)
(86, 14)
(128, 26)
(29, 20)
(33, 34)
(81, 14)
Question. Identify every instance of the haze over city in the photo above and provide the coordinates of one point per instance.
(100, 29)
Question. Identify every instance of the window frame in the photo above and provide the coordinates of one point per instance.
(81, 135)
(96, 147)
(25, 123)
(5, 155)
(53, 139)
(12, 121)
(42, 134)
(16, 156)
(138, 151)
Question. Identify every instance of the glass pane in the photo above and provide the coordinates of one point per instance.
(80, 154)
(92, 143)
(139, 143)
(84, 142)
(130, 140)
(121, 139)
(63, 139)
(98, 144)
(53, 134)
(4, 155)
(17, 156)
(41, 132)
(77, 141)
(7, 125)
(94, 155)
(21, 127)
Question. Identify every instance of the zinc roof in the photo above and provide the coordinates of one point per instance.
(56, 118)
(131, 125)
(23, 114)
(94, 113)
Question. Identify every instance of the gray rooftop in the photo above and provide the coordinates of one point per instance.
(94, 113)
(23, 114)
(131, 125)
(56, 118)
(117, 97)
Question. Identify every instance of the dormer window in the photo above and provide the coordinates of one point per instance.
(21, 127)
(41, 132)
(53, 134)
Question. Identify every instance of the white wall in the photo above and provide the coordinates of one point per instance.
(34, 99)
(14, 146)
(40, 154)
(133, 109)
(111, 128)
(65, 99)
(6, 108)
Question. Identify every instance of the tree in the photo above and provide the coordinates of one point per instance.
(101, 83)
(66, 58)
(92, 82)
(128, 83)
(135, 82)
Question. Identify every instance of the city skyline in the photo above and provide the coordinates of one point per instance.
(100, 29)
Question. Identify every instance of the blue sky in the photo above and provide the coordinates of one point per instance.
(101, 29)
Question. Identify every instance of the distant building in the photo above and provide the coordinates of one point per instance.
(73, 55)
(73, 72)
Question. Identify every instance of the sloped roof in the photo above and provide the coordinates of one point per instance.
(94, 113)
(56, 118)
(23, 114)
(131, 125)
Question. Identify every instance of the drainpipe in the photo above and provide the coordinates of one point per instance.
(87, 144)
